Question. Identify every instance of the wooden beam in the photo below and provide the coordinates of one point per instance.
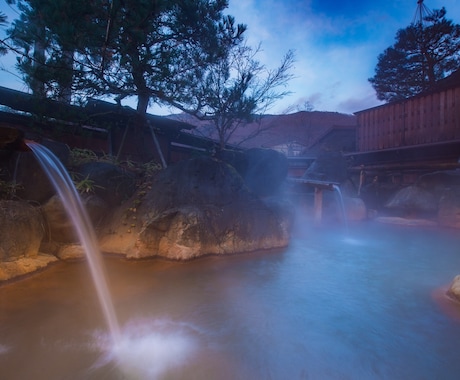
(318, 205)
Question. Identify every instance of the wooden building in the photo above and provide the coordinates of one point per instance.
(103, 127)
(415, 135)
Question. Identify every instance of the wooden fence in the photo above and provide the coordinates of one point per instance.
(425, 119)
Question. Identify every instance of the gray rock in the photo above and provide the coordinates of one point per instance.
(21, 231)
(454, 289)
(413, 199)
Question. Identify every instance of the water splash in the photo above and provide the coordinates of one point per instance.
(76, 211)
(147, 348)
(341, 203)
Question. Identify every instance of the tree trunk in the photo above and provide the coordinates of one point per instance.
(36, 85)
(142, 103)
(66, 76)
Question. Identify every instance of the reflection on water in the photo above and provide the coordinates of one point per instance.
(328, 307)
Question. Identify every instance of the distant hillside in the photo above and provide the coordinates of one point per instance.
(304, 128)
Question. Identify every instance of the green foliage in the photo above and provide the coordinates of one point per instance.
(85, 185)
(421, 55)
(151, 167)
(232, 91)
(8, 189)
(47, 35)
(153, 50)
(184, 53)
(3, 22)
(80, 156)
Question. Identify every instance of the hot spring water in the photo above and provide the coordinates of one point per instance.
(327, 307)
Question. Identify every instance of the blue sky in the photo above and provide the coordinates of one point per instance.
(336, 42)
(336, 45)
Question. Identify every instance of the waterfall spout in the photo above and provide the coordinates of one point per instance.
(70, 198)
(12, 139)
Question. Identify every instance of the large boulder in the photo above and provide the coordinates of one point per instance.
(413, 200)
(21, 230)
(454, 290)
(198, 207)
(433, 195)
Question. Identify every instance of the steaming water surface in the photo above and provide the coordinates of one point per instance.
(328, 307)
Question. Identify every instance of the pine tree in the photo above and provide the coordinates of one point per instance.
(237, 90)
(48, 34)
(423, 53)
(152, 50)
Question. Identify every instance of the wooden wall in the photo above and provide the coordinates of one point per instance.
(424, 119)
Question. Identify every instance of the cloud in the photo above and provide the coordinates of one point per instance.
(354, 104)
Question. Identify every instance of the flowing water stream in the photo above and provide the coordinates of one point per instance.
(76, 211)
(341, 205)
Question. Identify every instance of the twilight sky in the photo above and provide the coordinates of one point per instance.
(336, 44)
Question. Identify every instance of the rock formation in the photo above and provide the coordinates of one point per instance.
(434, 195)
(454, 289)
(21, 232)
(197, 207)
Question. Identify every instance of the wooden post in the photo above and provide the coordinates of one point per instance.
(318, 205)
(157, 145)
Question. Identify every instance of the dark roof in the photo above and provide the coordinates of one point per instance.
(96, 112)
(96, 115)
(105, 111)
